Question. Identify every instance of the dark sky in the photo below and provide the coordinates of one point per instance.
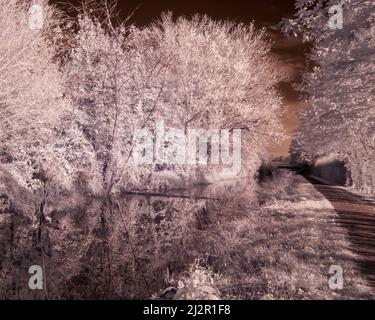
(264, 13)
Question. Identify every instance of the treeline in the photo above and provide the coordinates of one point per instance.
(338, 124)
(74, 92)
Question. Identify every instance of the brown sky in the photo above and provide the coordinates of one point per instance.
(265, 13)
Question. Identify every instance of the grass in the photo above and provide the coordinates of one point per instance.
(281, 249)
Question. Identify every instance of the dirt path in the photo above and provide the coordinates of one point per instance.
(313, 236)
(357, 215)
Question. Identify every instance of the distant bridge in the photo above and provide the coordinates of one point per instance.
(297, 167)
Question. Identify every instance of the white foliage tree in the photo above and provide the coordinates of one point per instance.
(36, 134)
(190, 73)
(340, 89)
(219, 75)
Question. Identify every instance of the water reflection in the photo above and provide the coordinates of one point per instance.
(118, 247)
